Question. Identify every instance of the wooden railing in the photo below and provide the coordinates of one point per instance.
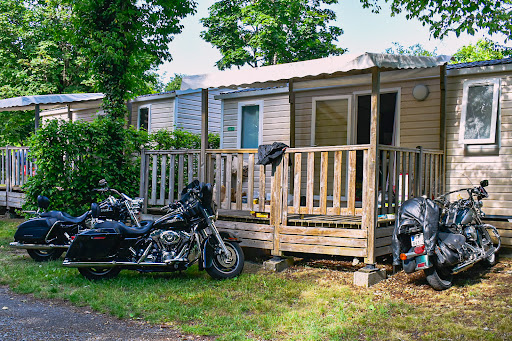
(315, 180)
(406, 173)
(15, 167)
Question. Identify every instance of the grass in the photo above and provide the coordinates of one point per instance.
(304, 303)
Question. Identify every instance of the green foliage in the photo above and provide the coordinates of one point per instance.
(174, 82)
(458, 16)
(413, 50)
(484, 49)
(271, 32)
(123, 39)
(36, 58)
(72, 157)
(181, 139)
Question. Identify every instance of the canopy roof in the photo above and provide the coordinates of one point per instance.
(310, 69)
(51, 101)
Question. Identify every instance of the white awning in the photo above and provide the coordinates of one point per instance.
(51, 101)
(310, 69)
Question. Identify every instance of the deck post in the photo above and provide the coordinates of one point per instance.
(276, 203)
(7, 176)
(291, 100)
(204, 135)
(370, 208)
(70, 114)
(419, 172)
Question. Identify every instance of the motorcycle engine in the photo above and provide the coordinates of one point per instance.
(170, 243)
(470, 233)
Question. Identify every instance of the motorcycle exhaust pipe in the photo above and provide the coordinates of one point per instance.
(18, 245)
(69, 264)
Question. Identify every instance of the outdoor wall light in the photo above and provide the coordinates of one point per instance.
(420, 92)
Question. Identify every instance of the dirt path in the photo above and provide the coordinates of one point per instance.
(25, 318)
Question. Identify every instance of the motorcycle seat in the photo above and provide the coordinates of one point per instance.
(66, 218)
(125, 230)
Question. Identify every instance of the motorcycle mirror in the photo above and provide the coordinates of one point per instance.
(43, 202)
(484, 183)
(102, 182)
(95, 210)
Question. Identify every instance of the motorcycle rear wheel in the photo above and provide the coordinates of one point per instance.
(95, 274)
(224, 267)
(44, 255)
(439, 279)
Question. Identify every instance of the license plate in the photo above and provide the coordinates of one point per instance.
(417, 239)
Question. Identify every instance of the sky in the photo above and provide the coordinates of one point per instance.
(363, 32)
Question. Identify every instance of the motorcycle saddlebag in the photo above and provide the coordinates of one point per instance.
(97, 244)
(33, 230)
(450, 248)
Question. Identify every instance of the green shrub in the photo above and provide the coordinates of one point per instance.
(72, 157)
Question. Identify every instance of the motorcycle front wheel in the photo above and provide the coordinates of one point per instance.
(44, 255)
(95, 274)
(227, 266)
(439, 279)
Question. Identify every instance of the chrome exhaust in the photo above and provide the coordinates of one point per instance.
(18, 245)
(112, 264)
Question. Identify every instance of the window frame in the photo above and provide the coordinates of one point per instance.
(331, 98)
(259, 103)
(145, 106)
(496, 83)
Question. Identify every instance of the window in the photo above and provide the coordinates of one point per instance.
(479, 111)
(144, 118)
(249, 125)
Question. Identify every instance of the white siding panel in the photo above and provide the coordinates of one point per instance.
(481, 162)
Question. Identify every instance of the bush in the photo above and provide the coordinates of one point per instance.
(72, 157)
(181, 139)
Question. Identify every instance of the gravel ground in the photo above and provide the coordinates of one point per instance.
(24, 318)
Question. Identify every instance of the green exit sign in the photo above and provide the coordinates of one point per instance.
(231, 128)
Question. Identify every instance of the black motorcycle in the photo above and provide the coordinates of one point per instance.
(174, 242)
(444, 238)
(48, 234)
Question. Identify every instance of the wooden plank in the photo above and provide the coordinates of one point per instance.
(337, 178)
(351, 193)
(259, 244)
(381, 251)
(391, 169)
(261, 199)
(238, 225)
(310, 182)
(218, 179)
(324, 161)
(146, 183)
(324, 250)
(143, 166)
(412, 173)
(284, 188)
(297, 182)
(229, 173)
(324, 241)
(396, 182)
(163, 182)
(322, 231)
(404, 173)
(383, 178)
(379, 242)
(153, 180)
(250, 234)
(181, 175)
(172, 174)
(239, 179)
(276, 206)
(384, 232)
(250, 182)
(190, 166)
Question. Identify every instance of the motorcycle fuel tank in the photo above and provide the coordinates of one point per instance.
(33, 230)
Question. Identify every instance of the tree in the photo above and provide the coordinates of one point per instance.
(174, 83)
(263, 32)
(36, 58)
(123, 39)
(484, 49)
(413, 50)
(458, 16)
